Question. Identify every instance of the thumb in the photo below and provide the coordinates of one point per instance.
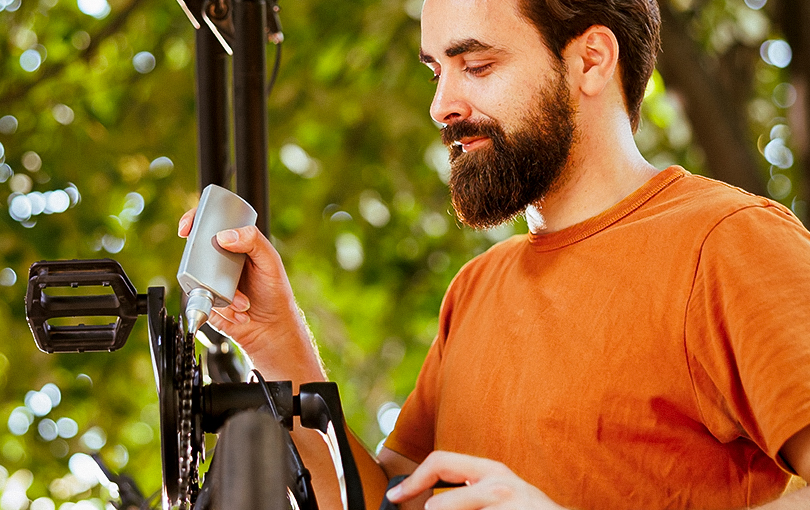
(229, 239)
(251, 241)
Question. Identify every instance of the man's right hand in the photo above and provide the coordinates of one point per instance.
(264, 318)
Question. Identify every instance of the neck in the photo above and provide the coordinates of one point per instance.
(604, 168)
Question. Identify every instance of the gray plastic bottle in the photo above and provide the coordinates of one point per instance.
(208, 274)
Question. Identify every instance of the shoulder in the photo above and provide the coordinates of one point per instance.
(697, 205)
(484, 269)
(493, 258)
(709, 195)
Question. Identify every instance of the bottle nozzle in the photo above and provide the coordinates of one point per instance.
(198, 308)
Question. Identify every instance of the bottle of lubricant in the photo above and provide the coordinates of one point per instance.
(208, 274)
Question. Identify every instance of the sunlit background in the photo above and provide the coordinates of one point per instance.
(98, 159)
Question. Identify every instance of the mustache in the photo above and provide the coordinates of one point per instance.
(467, 128)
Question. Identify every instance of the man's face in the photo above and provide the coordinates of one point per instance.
(504, 102)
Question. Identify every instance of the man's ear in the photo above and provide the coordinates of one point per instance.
(592, 59)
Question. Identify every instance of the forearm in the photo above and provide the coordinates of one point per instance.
(797, 500)
(294, 358)
(318, 461)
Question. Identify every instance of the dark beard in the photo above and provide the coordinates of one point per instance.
(494, 184)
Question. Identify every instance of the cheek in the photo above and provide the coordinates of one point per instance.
(506, 99)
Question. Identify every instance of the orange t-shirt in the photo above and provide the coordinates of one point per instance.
(655, 356)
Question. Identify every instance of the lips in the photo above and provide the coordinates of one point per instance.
(470, 143)
(466, 135)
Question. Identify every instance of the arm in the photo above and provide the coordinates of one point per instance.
(796, 452)
(268, 324)
(395, 464)
(491, 484)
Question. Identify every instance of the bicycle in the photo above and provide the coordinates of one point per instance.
(256, 464)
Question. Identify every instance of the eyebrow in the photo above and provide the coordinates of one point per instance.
(459, 48)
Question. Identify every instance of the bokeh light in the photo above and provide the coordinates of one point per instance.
(387, 416)
(94, 439)
(20, 420)
(298, 161)
(63, 114)
(5, 172)
(10, 5)
(8, 124)
(20, 207)
(438, 158)
(57, 201)
(83, 467)
(373, 210)
(7, 277)
(38, 402)
(98, 9)
(778, 154)
(112, 244)
(161, 167)
(47, 429)
(43, 503)
(349, 251)
(67, 427)
(144, 62)
(776, 52)
(24, 204)
(14, 495)
(785, 95)
(30, 60)
(31, 161)
(53, 393)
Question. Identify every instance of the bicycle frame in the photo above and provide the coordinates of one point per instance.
(179, 383)
(239, 28)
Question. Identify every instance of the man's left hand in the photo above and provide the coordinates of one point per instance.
(489, 484)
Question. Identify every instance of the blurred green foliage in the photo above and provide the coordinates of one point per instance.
(359, 208)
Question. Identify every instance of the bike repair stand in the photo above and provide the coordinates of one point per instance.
(241, 29)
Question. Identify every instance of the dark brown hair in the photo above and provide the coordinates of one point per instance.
(635, 23)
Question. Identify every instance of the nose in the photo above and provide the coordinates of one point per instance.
(449, 104)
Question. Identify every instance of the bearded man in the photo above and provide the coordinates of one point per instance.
(646, 345)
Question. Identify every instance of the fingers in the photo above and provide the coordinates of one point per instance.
(223, 317)
(241, 303)
(236, 312)
(251, 241)
(248, 240)
(488, 493)
(490, 485)
(184, 225)
(447, 466)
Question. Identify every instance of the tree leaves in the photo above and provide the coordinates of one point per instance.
(359, 209)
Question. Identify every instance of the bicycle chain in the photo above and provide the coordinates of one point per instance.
(188, 482)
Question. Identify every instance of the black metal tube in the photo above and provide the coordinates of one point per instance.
(212, 110)
(218, 401)
(250, 105)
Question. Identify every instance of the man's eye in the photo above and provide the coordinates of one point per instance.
(478, 70)
(434, 78)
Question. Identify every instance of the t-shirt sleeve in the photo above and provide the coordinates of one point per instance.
(748, 328)
(413, 436)
(415, 431)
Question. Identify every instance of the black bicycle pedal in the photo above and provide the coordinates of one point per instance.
(54, 293)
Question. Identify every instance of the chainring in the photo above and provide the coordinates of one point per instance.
(178, 380)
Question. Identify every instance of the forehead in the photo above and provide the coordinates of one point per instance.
(493, 22)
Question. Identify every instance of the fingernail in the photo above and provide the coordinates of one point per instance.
(182, 226)
(241, 317)
(394, 493)
(241, 303)
(227, 236)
